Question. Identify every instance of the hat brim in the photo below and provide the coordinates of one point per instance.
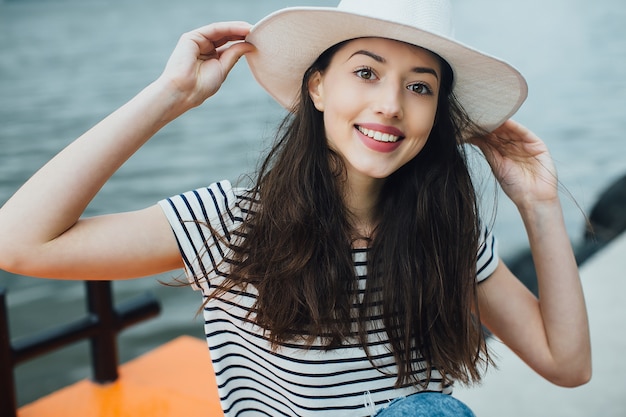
(290, 40)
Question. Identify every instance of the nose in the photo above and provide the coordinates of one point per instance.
(388, 101)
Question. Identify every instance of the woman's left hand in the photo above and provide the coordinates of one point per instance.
(550, 334)
(521, 163)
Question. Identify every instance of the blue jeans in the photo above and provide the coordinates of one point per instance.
(426, 404)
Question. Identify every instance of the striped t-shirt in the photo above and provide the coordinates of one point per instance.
(293, 380)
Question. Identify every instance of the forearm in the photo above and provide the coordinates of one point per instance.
(561, 300)
(40, 231)
(55, 197)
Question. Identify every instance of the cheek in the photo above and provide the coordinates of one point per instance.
(424, 119)
(339, 117)
(331, 128)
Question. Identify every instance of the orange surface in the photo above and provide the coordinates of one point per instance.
(174, 380)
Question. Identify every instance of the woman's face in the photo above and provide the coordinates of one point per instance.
(379, 99)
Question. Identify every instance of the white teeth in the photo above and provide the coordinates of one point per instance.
(379, 136)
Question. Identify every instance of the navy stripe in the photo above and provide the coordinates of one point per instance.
(322, 359)
(328, 390)
(491, 256)
(186, 259)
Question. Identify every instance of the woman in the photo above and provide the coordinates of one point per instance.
(347, 277)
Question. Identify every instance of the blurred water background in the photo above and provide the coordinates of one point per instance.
(65, 64)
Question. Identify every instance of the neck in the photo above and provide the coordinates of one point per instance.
(361, 198)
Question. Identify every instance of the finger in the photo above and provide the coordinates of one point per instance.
(248, 48)
(233, 53)
(217, 34)
(508, 135)
(515, 131)
(219, 29)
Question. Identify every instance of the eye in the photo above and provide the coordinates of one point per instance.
(365, 73)
(421, 89)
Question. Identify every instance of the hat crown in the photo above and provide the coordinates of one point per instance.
(434, 16)
(289, 41)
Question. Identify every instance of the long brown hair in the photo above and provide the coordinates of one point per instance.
(421, 268)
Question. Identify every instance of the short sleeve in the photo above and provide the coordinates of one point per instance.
(488, 258)
(203, 248)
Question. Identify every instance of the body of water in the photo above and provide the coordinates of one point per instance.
(66, 64)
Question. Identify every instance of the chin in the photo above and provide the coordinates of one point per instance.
(378, 175)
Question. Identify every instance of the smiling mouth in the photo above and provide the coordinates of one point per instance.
(379, 136)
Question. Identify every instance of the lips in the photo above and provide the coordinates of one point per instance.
(381, 133)
(380, 138)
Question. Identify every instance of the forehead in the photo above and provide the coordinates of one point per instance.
(390, 47)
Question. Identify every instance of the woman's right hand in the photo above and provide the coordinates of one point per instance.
(203, 58)
(56, 242)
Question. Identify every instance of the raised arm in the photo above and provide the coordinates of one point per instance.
(551, 334)
(40, 231)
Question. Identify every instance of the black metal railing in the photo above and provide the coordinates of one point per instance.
(101, 325)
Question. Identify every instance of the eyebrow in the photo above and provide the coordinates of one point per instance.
(378, 58)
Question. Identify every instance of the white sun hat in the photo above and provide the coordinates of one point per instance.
(289, 41)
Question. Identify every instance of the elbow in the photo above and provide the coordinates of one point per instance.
(574, 376)
(575, 381)
(13, 260)
(580, 378)
(9, 263)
